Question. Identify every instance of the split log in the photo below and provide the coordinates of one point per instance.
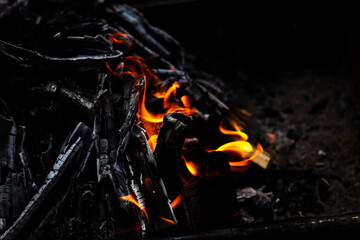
(168, 150)
(147, 185)
(12, 188)
(167, 153)
(209, 192)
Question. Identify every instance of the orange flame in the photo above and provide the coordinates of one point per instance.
(177, 201)
(170, 92)
(241, 148)
(193, 168)
(186, 101)
(240, 152)
(196, 170)
(120, 38)
(237, 132)
(135, 67)
(168, 105)
(152, 141)
(130, 198)
(168, 220)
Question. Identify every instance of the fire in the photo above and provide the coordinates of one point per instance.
(169, 106)
(177, 201)
(240, 151)
(193, 168)
(130, 198)
(152, 141)
(241, 148)
(197, 171)
(237, 132)
(120, 38)
(135, 66)
(168, 220)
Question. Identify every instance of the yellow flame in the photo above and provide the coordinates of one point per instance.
(152, 142)
(237, 132)
(193, 168)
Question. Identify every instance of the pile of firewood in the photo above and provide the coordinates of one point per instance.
(80, 84)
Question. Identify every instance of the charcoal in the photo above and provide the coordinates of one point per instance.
(74, 154)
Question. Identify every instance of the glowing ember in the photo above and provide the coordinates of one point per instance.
(272, 137)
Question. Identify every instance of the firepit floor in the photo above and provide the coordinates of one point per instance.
(314, 169)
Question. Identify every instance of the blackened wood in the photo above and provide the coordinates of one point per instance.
(12, 196)
(156, 39)
(7, 141)
(78, 99)
(168, 150)
(107, 142)
(210, 194)
(128, 107)
(209, 101)
(23, 159)
(36, 60)
(148, 186)
(70, 162)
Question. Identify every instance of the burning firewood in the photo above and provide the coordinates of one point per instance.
(123, 84)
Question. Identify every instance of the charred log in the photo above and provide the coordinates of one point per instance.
(73, 156)
(168, 150)
(209, 191)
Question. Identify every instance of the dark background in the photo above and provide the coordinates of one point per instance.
(259, 35)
